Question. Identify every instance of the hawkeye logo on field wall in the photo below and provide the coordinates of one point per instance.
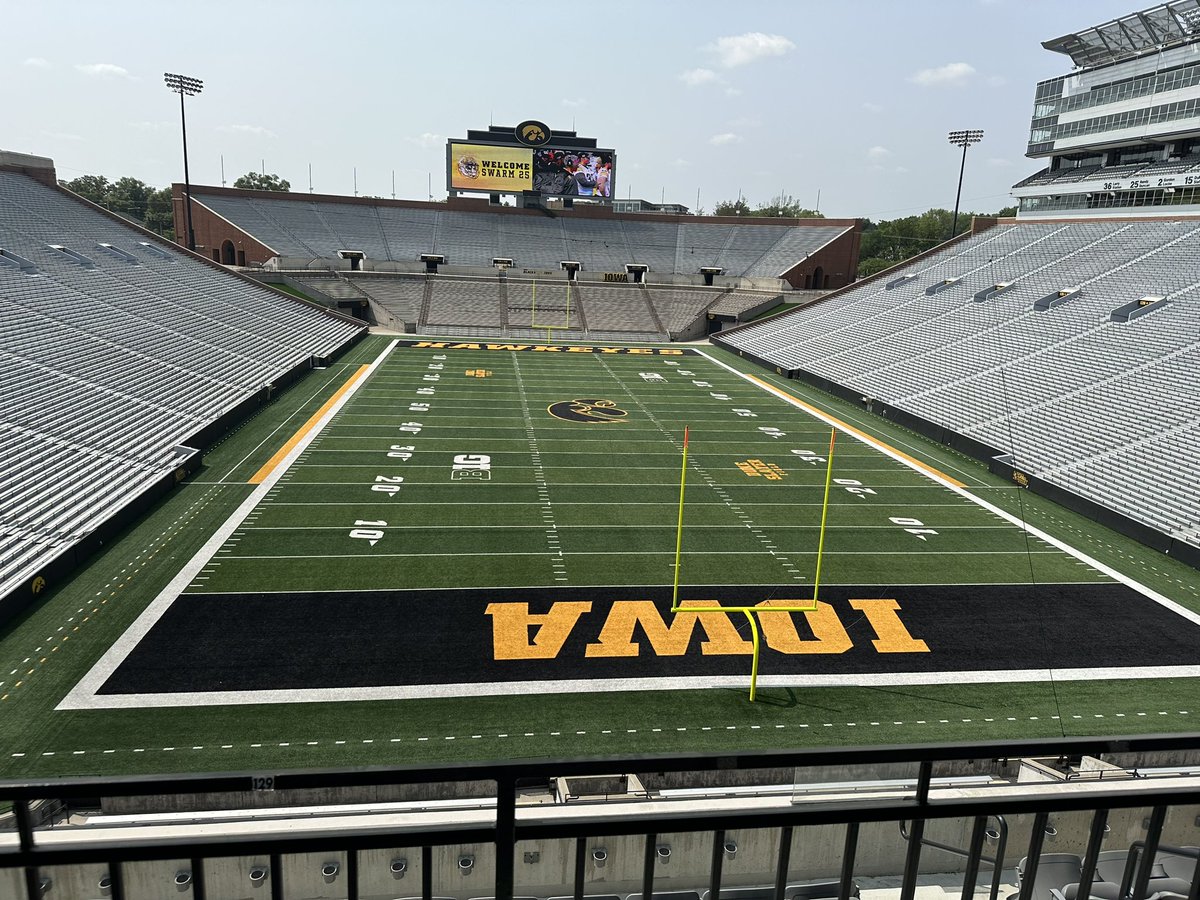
(633, 625)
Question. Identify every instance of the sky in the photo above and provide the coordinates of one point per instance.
(850, 100)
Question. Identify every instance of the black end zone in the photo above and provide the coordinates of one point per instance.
(256, 642)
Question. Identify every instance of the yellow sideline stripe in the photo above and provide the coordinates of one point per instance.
(870, 439)
(262, 474)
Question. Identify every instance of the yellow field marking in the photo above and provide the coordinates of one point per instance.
(262, 474)
(862, 435)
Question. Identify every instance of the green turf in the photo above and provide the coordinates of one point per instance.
(303, 540)
(443, 532)
(774, 311)
(288, 289)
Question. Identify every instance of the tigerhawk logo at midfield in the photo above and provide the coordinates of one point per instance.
(590, 412)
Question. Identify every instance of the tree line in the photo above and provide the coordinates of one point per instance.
(891, 241)
(780, 206)
(148, 206)
(884, 243)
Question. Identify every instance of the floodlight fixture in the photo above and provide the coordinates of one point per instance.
(964, 139)
(185, 86)
(1190, 19)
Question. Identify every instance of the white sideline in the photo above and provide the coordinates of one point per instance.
(84, 694)
(1112, 573)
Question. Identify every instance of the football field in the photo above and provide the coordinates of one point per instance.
(435, 552)
(466, 520)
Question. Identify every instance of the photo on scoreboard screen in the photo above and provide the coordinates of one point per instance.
(573, 172)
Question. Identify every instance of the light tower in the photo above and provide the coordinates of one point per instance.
(185, 86)
(962, 139)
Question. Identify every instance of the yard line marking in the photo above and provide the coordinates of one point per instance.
(850, 429)
(84, 694)
(313, 421)
(718, 489)
(671, 553)
(691, 503)
(959, 488)
(543, 491)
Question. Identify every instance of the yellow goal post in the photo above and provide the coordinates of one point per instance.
(752, 612)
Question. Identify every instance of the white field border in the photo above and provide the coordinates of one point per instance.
(883, 448)
(84, 695)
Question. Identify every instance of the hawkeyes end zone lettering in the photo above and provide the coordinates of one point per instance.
(547, 348)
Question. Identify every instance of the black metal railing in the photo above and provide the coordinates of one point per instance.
(912, 808)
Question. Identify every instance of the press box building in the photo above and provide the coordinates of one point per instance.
(1120, 133)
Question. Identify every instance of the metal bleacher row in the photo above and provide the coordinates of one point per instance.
(319, 229)
(1072, 174)
(1105, 409)
(114, 351)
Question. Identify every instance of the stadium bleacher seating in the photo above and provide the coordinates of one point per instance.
(116, 352)
(303, 229)
(677, 308)
(737, 302)
(463, 302)
(400, 296)
(1072, 174)
(1107, 410)
(506, 306)
(620, 308)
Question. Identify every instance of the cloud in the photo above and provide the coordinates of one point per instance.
(742, 49)
(37, 62)
(679, 163)
(953, 74)
(732, 92)
(878, 154)
(62, 136)
(872, 107)
(697, 77)
(253, 130)
(725, 137)
(574, 103)
(997, 162)
(103, 70)
(151, 126)
(426, 140)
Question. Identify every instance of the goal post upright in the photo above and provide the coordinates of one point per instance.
(533, 322)
(824, 516)
(679, 526)
(752, 612)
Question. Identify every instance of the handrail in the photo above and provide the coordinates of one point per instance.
(1134, 854)
(996, 862)
(142, 785)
